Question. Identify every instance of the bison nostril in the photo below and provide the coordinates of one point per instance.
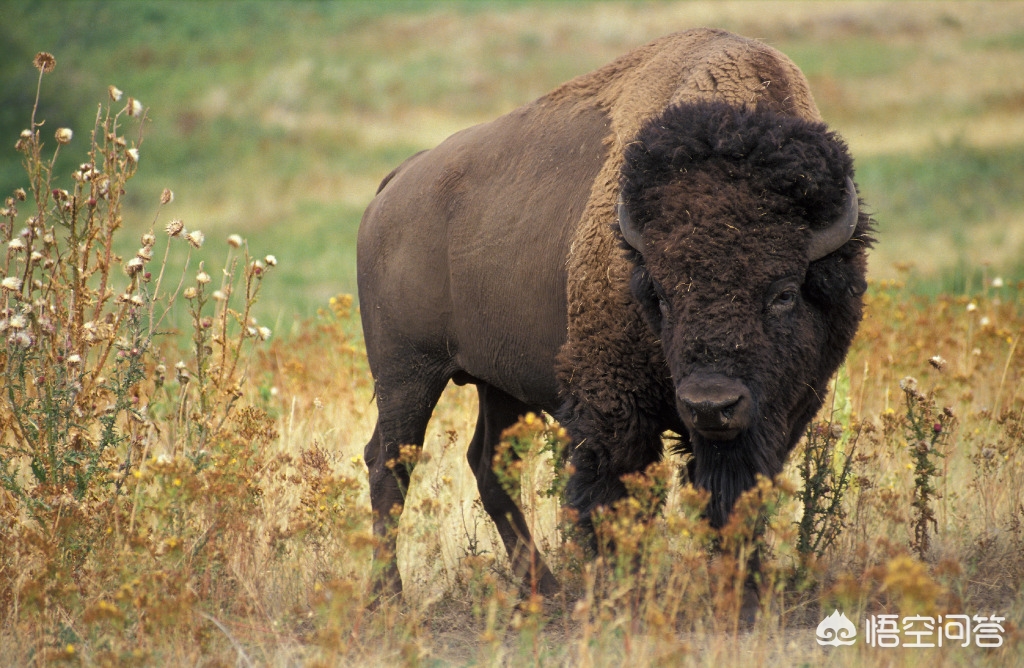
(713, 414)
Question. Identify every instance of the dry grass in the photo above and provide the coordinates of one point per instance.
(240, 533)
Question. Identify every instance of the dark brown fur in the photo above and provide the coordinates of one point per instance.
(494, 259)
(726, 197)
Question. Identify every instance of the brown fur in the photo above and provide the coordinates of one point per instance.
(684, 67)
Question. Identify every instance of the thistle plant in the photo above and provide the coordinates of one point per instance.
(99, 449)
(926, 430)
(825, 469)
(76, 336)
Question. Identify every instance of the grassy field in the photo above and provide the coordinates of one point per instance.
(277, 120)
(216, 512)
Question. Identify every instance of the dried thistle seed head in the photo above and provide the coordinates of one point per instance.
(134, 107)
(24, 140)
(937, 361)
(175, 228)
(202, 278)
(134, 266)
(133, 155)
(64, 135)
(16, 245)
(74, 359)
(20, 194)
(908, 384)
(148, 239)
(270, 260)
(235, 241)
(115, 93)
(20, 339)
(167, 196)
(264, 333)
(195, 238)
(190, 293)
(145, 253)
(11, 283)
(44, 62)
(137, 300)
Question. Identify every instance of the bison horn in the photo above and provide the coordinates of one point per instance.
(628, 229)
(840, 231)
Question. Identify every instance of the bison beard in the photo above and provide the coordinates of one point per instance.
(729, 469)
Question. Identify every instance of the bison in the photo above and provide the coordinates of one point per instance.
(672, 242)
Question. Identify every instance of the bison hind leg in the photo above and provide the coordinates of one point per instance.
(498, 411)
(404, 408)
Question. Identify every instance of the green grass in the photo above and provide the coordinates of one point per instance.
(277, 120)
(856, 58)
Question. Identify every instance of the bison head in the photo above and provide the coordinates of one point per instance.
(749, 260)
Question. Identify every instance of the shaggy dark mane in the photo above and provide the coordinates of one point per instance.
(783, 157)
(788, 156)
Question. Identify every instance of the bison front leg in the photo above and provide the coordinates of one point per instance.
(608, 445)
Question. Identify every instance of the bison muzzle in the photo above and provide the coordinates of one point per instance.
(673, 242)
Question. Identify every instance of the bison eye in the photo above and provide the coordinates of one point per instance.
(783, 296)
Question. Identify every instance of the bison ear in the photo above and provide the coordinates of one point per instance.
(628, 229)
(830, 239)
